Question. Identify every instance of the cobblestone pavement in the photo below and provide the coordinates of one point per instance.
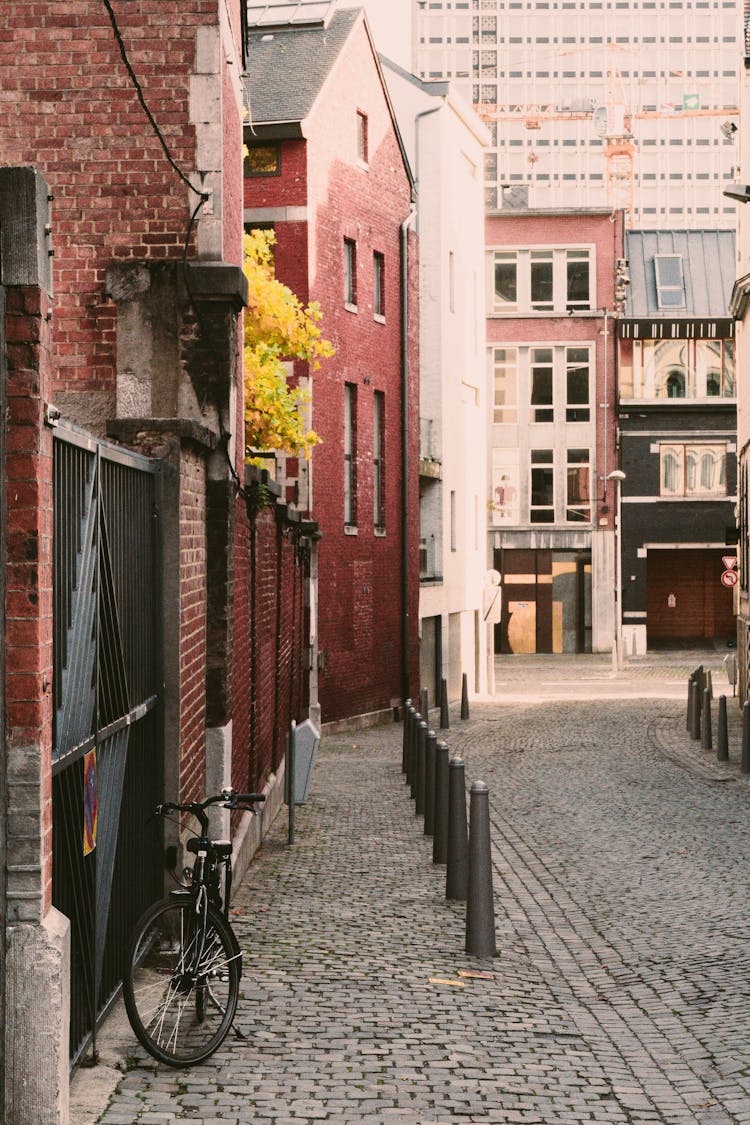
(620, 992)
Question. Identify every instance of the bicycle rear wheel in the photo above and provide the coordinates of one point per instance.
(181, 981)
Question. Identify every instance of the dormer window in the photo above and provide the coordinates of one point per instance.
(670, 281)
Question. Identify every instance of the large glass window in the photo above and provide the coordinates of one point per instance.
(542, 382)
(541, 269)
(693, 469)
(578, 499)
(504, 503)
(544, 280)
(506, 385)
(577, 385)
(542, 508)
(578, 280)
(506, 282)
(663, 369)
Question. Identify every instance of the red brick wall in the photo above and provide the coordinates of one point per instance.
(68, 107)
(360, 606)
(271, 637)
(192, 626)
(28, 543)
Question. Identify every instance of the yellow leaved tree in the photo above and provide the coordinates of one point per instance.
(277, 327)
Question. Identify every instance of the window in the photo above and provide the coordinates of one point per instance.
(670, 284)
(506, 385)
(350, 455)
(378, 460)
(693, 470)
(577, 407)
(542, 380)
(504, 502)
(378, 285)
(263, 160)
(577, 279)
(542, 487)
(541, 280)
(556, 280)
(679, 369)
(350, 273)
(578, 498)
(362, 136)
(506, 282)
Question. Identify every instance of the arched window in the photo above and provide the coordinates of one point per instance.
(675, 384)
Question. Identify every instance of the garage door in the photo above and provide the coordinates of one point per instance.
(686, 598)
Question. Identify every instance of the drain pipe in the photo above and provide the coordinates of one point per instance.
(405, 469)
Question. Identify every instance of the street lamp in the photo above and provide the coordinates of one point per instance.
(618, 476)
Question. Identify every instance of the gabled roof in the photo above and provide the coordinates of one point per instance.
(708, 271)
(288, 66)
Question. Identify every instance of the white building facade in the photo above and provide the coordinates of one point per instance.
(628, 105)
(445, 141)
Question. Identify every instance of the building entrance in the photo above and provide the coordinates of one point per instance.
(546, 601)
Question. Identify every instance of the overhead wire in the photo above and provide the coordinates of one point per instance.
(203, 195)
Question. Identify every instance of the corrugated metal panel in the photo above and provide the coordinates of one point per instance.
(708, 258)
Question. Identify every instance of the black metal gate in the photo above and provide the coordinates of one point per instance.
(107, 752)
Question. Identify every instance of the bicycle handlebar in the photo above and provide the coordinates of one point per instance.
(228, 797)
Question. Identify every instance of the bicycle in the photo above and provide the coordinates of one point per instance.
(182, 974)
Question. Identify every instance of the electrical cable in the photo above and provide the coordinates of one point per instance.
(144, 104)
(204, 196)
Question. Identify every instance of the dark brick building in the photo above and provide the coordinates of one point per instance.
(326, 170)
(677, 433)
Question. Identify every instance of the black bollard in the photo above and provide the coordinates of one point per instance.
(709, 683)
(410, 742)
(706, 739)
(445, 715)
(419, 771)
(457, 858)
(405, 740)
(745, 763)
(440, 834)
(429, 783)
(722, 737)
(464, 697)
(416, 720)
(691, 681)
(480, 901)
(425, 705)
(695, 713)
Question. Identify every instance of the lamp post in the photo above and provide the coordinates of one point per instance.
(618, 476)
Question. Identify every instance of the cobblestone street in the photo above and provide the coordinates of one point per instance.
(620, 990)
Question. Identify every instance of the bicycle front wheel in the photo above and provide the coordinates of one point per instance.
(181, 981)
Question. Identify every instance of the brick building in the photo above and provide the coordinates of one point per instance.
(155, 617)
(551, 279)
(326, 169)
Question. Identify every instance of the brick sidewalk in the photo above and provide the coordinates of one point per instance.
(620, 991)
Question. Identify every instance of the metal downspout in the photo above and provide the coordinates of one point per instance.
(405, 468)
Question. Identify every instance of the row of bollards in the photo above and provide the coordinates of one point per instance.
(700, 722)
(437, 784)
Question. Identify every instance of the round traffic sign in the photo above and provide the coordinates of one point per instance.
(730, 578)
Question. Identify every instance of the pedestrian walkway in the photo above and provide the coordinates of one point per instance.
(620, 990)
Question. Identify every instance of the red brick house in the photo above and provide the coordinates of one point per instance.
(155, 620)
(326, 169)
(551, 320)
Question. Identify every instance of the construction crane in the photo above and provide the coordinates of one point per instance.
(613, 123)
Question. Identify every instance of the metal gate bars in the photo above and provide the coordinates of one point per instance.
(107, 753)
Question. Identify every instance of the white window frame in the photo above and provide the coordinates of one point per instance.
(524, 259)
(690, 458)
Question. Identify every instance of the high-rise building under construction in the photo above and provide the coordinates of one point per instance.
(595, 104)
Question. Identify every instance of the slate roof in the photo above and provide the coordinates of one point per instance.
(709, 267)
(288, 66)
